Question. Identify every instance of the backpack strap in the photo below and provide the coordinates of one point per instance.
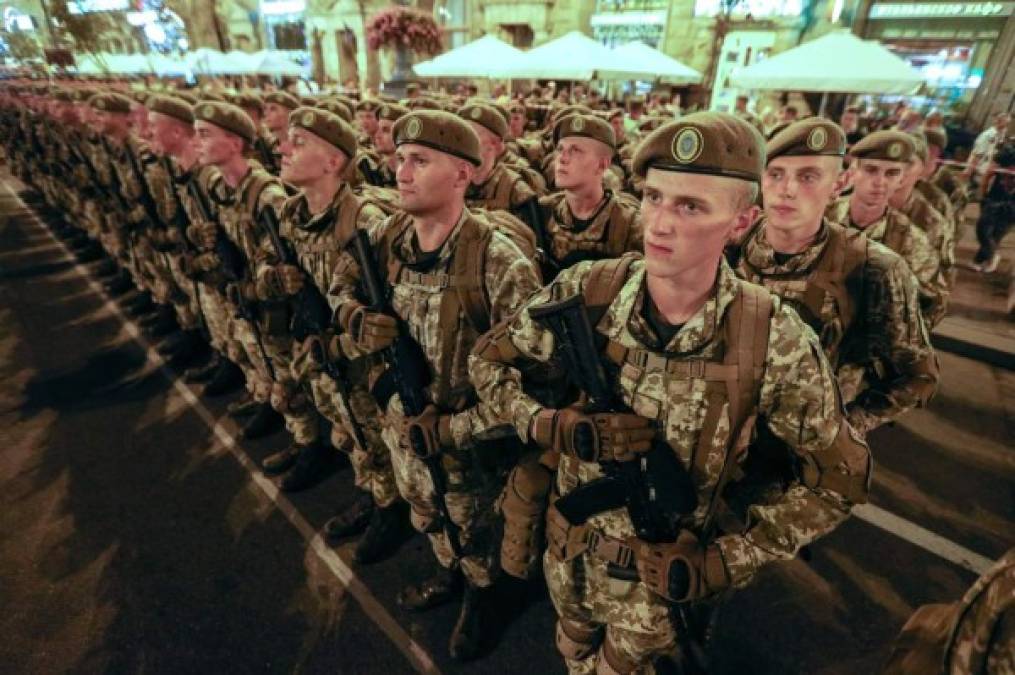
(844, 252)
(467, 270)
(619, 229)
(603, 283)
(260, 180)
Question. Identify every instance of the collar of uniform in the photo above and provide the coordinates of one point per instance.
(697, 332)
(760, 254)
(486, 189)
(313, 223)
(565, 218)
(408, 252)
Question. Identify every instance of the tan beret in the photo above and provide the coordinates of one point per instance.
(227, 116)
(140, 96)
(333, 105)
(423, 103)
(171, 106)
(110, 102)
(249, 101)
(349, 102)
(713, 143)
(889, 145)
(570, 110)
(812, 136)
(186, 96)
(82, 94)
(212, 96)
(327, 126)
(368, 105)
(937, 137)
(439, 130)
(63, 95)
(586, 126)
(309, 101)
(391, 112)
(282, 98)
(487, 117)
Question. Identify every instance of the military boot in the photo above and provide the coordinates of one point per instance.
(245, 407)
(164, 323)
(382, 534)
(308, 470)
(281, 461)
(264, 422)
(105, 268)
(352, 521)
(227, 378)
(178, 341)
(203, 373)
(467, 635)
(187, 346)
(119, 284)
(140, 305)
(89, 252)
(432, 592)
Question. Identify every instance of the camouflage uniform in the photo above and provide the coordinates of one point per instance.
(129, 161)
(880, 351)
(939, 228)
(614, 230)
(417, 297)
(898, 233)
(952, 185)
(504, 189)
(798, 399)
(318, 241)
(974, 635)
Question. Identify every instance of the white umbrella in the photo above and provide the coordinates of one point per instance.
(203, 60)
(271, 62)
(574, 56)
(485, 57)
(837, 62)
(638, 61)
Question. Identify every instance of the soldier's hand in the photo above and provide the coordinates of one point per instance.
(598, 437)
(204, 262)
(287, 397)
(371, 331)
(429, 433)
(290, 279)
(680, 571)
(203, 235)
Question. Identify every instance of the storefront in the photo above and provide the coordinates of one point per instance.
(284, 24)
(949, 42)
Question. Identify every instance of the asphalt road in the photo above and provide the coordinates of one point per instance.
(134, 539)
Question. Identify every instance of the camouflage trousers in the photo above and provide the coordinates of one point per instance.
(187, 302)
(626, 618)
(470, 500)
(216, 313)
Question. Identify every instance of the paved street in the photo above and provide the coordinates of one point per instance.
(137, 537)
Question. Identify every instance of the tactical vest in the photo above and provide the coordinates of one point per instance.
(834, 274)
(612, 244)
(735, 377)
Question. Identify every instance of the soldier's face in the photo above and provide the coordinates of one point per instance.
(214, 144)
(307, 158)
(910, 175)
(688, 219)
(580, 162)
(166, 136)
(517, 124)
(933, 155)
(383, 140)
(490, 147)
(874, 180)
(797, 190)
(276, 116)
(366, 121)
(427, 178)
(617, 123)
(850, 121)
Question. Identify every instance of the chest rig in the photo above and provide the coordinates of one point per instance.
(570, 248)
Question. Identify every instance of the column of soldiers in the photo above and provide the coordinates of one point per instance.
(594, 381)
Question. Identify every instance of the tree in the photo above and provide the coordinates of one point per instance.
(22, 46)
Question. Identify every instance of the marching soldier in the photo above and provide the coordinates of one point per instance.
(366, 121)
(277, 106)
(696, 356)
(384, 144)
(451, 277)
(585, 221)
(859, 297)
(876, 172)
(315, 226)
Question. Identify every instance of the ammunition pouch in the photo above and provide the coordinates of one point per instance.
(566, 542)
(845, 467)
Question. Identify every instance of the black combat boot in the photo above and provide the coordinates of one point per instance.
(264, 422)
(433, 592)
(187, 345)
(105, 268)
(281, 461)
(352, 521)
(140, 305)
(88, 252)
(203, 373)
(164, 323)
(227, 378)
(308, 470)
(119, 284)
(179, 340)
(244, 407)
(382, 534)
(467, 636)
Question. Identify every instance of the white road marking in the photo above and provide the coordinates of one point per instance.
(415, 653)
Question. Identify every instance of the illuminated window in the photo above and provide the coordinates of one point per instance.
(756, 8)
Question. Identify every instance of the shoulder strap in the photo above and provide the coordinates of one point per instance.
(603, 283)
(619, 229)
(467, 269)
(348, 217)
(260, 180)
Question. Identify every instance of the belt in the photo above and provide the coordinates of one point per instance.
(566, 541)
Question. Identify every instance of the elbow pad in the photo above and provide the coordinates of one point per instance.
(496, 345)
(845, 466)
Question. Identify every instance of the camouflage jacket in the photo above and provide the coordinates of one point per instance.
(798, 400)
(939, 228)
(898, 233)
(417, 297)
(504, 189)
(880, 351)
(131, 161)
(614, 230)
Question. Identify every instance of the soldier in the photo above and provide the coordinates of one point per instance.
(316, 225)
(859, 297)
(677, 325)
(940, 229)
(585, 221)
(366, 121)
(242, 192)
(277, 106)
(935, 196)
(384, 144)
(451, 277)
(943, 177)
(495, 186)
(876, 172)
